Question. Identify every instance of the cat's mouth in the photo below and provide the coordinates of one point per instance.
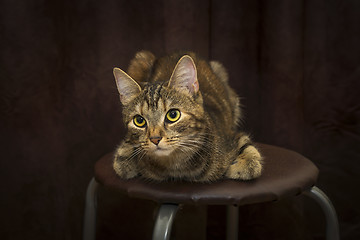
(160, 151)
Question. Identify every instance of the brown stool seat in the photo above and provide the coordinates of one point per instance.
(286, 173)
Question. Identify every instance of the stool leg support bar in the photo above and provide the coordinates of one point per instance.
(164, 221)
(332, 225)
(89, 229)
(232, 222)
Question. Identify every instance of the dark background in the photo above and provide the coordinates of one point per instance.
(296, 65)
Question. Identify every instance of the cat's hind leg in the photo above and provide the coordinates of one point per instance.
(124, 162)
(248, 162)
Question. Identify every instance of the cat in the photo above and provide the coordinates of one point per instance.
(182, 121)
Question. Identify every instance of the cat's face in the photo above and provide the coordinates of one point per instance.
(162, 121)
(165, 117)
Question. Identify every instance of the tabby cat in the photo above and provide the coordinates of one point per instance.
(182, 122)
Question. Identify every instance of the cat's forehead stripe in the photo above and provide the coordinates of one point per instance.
(152, 94)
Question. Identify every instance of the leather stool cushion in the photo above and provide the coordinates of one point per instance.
(286, 173)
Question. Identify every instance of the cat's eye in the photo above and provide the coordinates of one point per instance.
(139, 121)
(173, 115)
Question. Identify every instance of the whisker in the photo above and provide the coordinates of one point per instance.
(136, 152)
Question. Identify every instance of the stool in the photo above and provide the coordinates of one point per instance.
(286, 174)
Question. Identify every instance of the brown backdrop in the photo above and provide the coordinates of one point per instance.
(295, 63)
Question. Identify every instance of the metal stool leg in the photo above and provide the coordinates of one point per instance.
(164, 221)
(232, 222)
(89, 228)
(332, 225)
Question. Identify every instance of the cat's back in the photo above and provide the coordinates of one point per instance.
(212, 85)
(145, 67)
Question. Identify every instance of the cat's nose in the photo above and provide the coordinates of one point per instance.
(155, 140)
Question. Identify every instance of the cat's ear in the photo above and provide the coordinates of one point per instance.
(128, 88)
(184, 76)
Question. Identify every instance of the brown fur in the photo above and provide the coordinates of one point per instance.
(204, 144)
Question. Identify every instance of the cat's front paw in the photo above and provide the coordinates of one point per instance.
(124, 170)
(247, 166)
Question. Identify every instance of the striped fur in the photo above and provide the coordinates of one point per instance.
(203, 144)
